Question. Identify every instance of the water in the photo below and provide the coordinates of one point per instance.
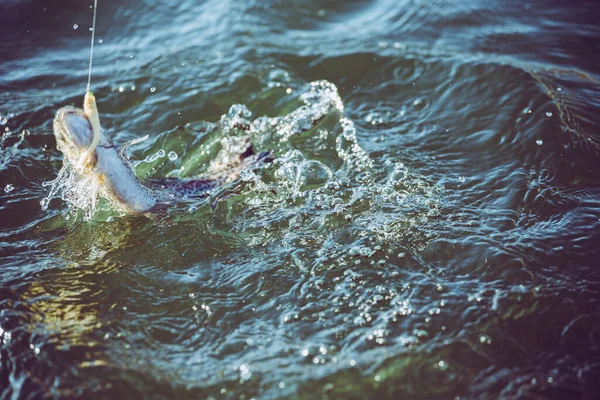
(433, 235)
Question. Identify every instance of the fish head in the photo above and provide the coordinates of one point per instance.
(73, 132)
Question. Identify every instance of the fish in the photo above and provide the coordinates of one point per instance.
(87, 146)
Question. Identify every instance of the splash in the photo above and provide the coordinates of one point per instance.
(318, 161)
(79, 191)
(325, 181)
(10, 146)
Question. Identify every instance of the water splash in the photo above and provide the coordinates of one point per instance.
(79, 191)
(318, 160)
(10, 146)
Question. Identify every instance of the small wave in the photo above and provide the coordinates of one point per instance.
(575, 96)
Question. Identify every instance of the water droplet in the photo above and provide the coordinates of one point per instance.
(173, 156)
(153, 89)
(150, 158)
(245, 373)
(121, 89)
(160, 153)
(247, 175)
(9, 188)
(548, 114)
(75, 26)
(100, 41)
(44, 203)
(485, 339)
(539, 142)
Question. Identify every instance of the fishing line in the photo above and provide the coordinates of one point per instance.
(92, 46)
(89, 105)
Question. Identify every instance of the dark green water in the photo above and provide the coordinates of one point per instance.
(436, 233)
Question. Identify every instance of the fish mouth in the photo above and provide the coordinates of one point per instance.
(72, 130)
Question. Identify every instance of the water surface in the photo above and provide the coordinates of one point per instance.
(433, 234)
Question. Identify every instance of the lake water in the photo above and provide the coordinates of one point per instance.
(429, 228)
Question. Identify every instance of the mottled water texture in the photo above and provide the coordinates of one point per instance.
(429, 227)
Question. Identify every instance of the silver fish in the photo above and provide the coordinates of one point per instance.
(112, 171)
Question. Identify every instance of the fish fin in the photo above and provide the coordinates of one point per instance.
(225, 193)
(123, 148)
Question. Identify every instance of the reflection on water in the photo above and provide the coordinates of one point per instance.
(428, 227)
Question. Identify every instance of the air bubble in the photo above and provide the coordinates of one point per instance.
(539, 142)
(75, 26)
(9, 188)
(173, 156)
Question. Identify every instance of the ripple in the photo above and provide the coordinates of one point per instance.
(410, 229)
